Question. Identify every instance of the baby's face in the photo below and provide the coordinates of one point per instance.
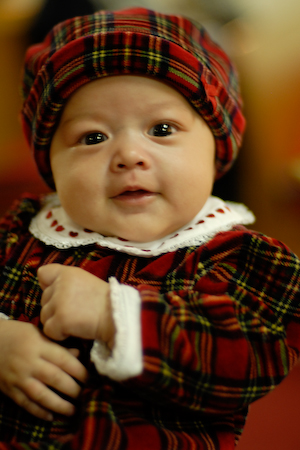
(131, 158)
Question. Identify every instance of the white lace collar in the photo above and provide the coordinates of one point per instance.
(53, 227)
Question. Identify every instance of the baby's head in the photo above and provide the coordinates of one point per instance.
(140, 106)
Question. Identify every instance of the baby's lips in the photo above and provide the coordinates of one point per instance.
(132, 190)
(135, 192)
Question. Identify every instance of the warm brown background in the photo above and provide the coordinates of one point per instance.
(264, 38)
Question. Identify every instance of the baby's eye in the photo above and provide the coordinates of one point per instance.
(93, 138)
(162, 129)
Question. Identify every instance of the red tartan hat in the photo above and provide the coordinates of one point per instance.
(137, 41)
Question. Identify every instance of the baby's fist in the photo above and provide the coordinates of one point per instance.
(75, 303)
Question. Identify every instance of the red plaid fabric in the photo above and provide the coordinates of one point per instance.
(134, 41)
(220, 328)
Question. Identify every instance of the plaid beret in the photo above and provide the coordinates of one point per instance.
(138, 41)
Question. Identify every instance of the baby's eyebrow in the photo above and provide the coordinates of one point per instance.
(164, 105)
(81, 116)
(161, 109)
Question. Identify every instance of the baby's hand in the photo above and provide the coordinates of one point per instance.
(31, 364)
(75, 303)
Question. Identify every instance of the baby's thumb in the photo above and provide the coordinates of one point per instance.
(48, 274)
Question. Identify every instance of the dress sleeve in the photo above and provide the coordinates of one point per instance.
(228, 333)
(13, 227)
(15, 222)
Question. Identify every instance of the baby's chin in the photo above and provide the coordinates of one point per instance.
(140, 231)
(143, 239)
(138, 236)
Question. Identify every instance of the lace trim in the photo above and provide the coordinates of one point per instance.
(53, 227)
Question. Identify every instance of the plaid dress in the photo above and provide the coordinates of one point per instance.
(220, 329)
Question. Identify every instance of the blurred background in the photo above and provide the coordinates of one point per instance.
(263, 38)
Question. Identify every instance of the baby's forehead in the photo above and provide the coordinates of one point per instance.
(144, 90)
(126, 94)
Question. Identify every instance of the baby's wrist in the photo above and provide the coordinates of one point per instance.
(106, 328)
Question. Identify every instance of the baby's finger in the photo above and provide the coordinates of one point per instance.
(48, 274)
(46, 312)
(30, 406)
(66, 361)
(47, 295)
(41, 396)
(74, 352)
(52, 327)
(52, 376)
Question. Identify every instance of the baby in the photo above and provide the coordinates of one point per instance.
(137, 310)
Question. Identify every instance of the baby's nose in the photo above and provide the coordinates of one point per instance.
(129, 155)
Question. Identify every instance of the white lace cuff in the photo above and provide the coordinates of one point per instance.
(3, 316)
(126, 359)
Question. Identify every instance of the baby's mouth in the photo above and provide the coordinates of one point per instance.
(134, 196)
(135, 193)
